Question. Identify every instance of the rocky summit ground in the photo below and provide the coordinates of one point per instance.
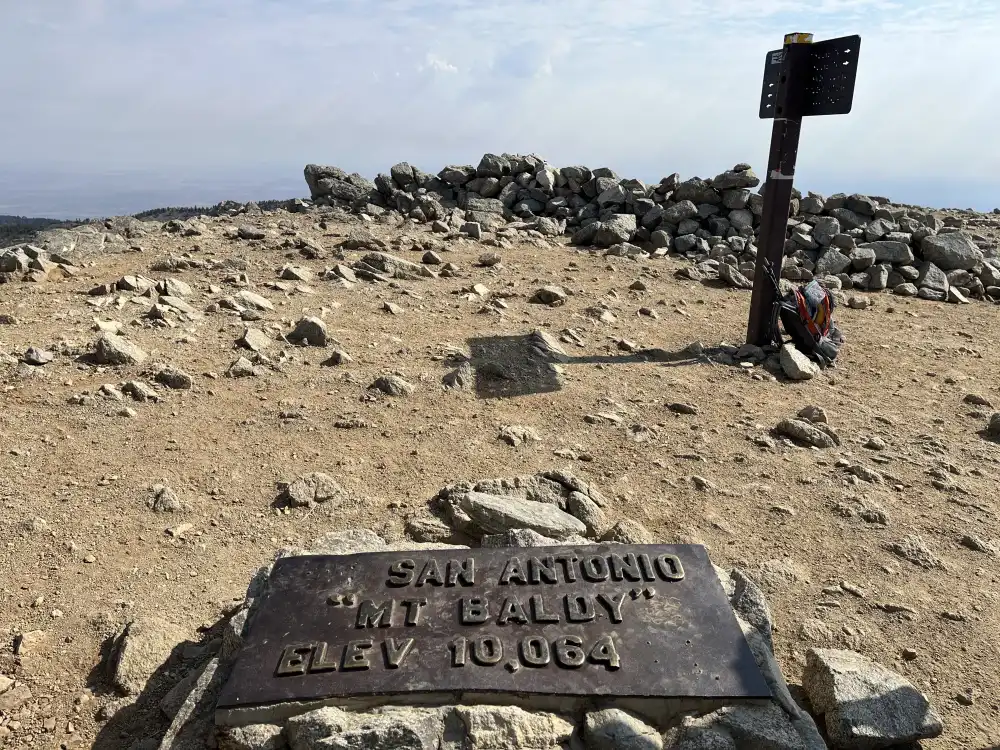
(142, 474)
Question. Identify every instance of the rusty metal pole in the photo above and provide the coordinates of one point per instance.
(788, 110)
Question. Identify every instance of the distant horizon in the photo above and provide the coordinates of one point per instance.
(59, 193)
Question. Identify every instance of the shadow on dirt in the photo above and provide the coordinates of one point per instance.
(522, 365)
(141, 722)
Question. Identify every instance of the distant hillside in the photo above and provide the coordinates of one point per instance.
(15, 229)
(26, 221)
(186, 212)
(171, 212)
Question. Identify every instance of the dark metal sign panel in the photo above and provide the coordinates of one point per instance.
(611, 620)
(828, 84)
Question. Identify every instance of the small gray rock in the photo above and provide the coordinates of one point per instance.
(515, 435)
(915, 550)
(865, 705)
(993, 426)
(250, 232)
(681, 408)
(242, 368)
(738, 727)
(473, 229)
(956, 296)
(313, 488)
(37, 357)
(388, 729)
(805, 432)
(252, 737)
(429, 529)
(255, 340)
(628, 531)
(520, 538)
(976, 544)
(548, 295)
(494, 514)
(614, 729)
(141, 648)
(496, 727)
(392, 385)
(825, 230)
(165, 500)
(732, 276)
(175, 378)
(797, 365)
(814, 414)
(114, 350)
(310, 330)
(582, 507)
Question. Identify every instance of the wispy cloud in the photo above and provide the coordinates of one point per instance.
(261, 87)
(437, 64)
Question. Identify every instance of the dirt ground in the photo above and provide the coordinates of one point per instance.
(791, 516)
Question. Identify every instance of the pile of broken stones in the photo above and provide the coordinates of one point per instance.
(846, 242)
(856, 702)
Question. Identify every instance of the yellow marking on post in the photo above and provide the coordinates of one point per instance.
(798, 38)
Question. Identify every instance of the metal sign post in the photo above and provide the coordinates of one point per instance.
(801, 79)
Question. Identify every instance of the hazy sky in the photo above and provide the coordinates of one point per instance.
(113, 106)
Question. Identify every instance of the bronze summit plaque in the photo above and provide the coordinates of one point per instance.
(600, 620)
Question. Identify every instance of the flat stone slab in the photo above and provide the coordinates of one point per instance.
(630, 621)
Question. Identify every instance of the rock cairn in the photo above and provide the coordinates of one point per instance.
(856, 702)
(846, 242)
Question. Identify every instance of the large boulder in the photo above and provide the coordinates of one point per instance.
(862, 258)
(736, 178)
(951, 251)
(825, 229)
(933, 278)
(832, 262)
(890, 251)
(316, 172)
(680, 211)
(619, 228)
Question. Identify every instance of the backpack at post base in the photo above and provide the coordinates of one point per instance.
(806, 314)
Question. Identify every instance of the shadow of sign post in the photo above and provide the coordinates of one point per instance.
(528, 364)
